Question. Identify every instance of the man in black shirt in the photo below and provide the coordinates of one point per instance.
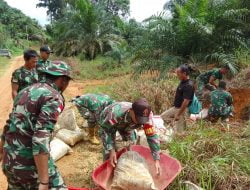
(183, 98)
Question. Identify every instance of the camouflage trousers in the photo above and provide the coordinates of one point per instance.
(216, 115)
(108, 137)
(90, 117)
(28, 180)
(92, 121)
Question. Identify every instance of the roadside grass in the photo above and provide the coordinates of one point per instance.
(160, 94)
(213, 157)
(98, 69)
(4, 62)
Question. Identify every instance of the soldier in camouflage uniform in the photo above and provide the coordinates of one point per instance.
(209, 78)
(27, 134)
(125, 117)
(221, 103)
(93, 104)
(43, 61)
(25, 75)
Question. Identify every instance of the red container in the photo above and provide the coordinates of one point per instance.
(102, 176)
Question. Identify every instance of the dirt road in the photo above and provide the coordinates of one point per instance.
(5, 90)
(75, 88)
(6, 101)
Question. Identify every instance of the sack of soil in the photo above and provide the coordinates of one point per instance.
(132, 173)
(58, 149)
(70, 137)
(67, 120)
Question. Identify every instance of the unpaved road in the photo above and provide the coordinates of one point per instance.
(5, 90)
(6, 102)
(75, 88)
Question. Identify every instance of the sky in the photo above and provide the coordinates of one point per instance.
(140, 9)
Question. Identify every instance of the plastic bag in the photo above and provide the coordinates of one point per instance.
(58, 149)
(132, 173)
(70, 137)
(202, 115)
(195, 107)
(67, 120)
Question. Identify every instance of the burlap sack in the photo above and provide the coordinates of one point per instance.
(131, 173)
(70, 137)
(67, 120)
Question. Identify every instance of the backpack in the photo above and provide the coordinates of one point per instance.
(195, 106)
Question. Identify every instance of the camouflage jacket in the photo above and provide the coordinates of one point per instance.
(204, 77)
(116, 117)
(94, 103)
(41, 65)
(28, 130)
(221, 103)
(24, 78)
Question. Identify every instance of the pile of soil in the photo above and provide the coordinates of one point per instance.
(241, 98)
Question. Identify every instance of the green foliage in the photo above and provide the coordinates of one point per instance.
(55, 8)
(210, 159)
(17, 24)
(115, 7)
(198, 29)
(17, 29)
(89, 30)
(99, 68)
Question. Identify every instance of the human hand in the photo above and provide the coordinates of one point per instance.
(158, 167)
(43, 187)
(113, 158)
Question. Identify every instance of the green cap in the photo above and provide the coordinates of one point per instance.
(58, 68)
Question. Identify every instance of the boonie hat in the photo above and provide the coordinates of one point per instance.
(58, 68)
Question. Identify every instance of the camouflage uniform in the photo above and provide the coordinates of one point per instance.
(115, 118)
(94, 104)
(28, 131)
(41, 65)
(24, 78)
(204, 78)
(221, 104)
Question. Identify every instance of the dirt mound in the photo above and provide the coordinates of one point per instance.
(242, 80)
(241, 98)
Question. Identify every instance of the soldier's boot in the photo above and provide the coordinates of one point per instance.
(93, 136)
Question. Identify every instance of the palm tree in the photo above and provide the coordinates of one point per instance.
(85, 28)
(199, 29)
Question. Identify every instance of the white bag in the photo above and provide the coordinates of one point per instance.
(70, 137)
(58, 149)
(202, 115)
(132, 173)
(165, 134)
(67, 120)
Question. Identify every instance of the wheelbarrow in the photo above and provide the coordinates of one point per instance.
(170, 167)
